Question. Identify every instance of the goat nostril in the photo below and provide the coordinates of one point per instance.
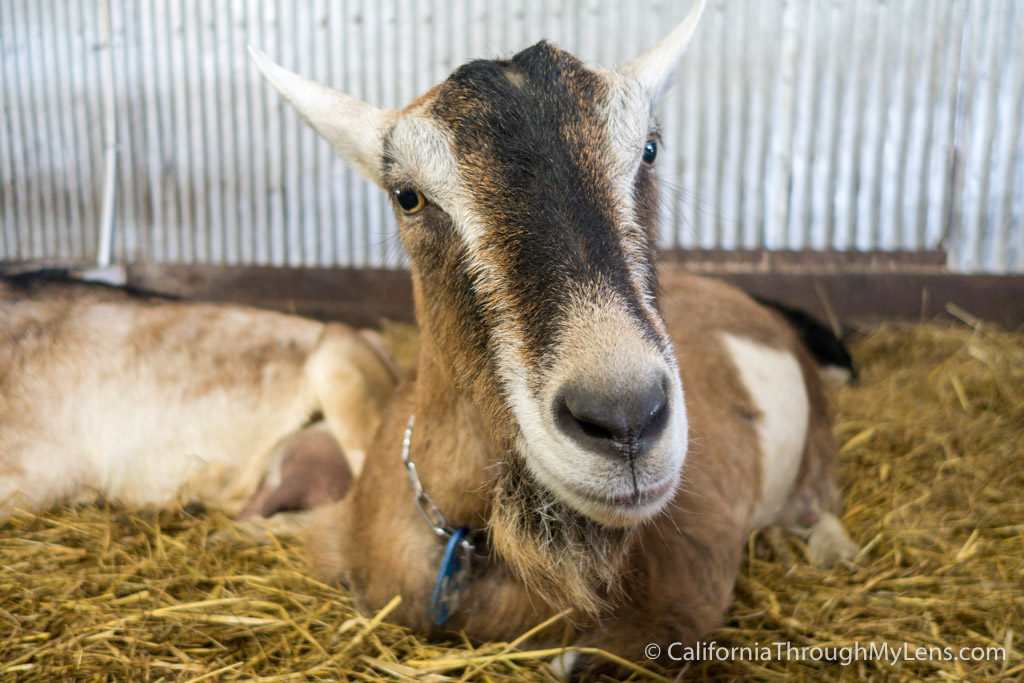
(594, 430)
(613, 422)
(656, 419)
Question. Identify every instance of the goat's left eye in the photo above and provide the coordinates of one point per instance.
(650, 152)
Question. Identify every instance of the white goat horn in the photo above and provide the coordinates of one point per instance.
(655, 67)
(354, 129)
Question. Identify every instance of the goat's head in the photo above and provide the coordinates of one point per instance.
(527, 204)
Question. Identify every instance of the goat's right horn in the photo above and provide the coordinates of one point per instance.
(354, 129)
(655, 67)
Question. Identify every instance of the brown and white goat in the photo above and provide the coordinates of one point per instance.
(142, 400)
(549, 397)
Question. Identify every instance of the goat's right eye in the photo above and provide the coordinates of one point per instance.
(410, 200)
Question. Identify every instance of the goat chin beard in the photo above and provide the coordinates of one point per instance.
(570, 560)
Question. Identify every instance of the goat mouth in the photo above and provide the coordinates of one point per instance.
(641, 502)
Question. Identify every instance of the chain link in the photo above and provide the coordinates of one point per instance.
(435, 518)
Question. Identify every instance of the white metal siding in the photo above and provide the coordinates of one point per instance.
(798, 124)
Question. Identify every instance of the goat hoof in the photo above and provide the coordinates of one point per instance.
(564, 663)
(828, 542)
(578, 667)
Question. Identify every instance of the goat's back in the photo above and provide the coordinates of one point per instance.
(753, 396)
(104, 391)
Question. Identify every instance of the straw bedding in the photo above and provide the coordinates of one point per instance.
(932, 442)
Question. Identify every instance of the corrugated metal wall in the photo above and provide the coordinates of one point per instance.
(799, 124)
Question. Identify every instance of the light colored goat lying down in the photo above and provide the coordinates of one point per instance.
(145, 400)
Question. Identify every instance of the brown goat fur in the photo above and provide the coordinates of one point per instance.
(677, 571)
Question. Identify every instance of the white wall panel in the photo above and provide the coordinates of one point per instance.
(798, 124)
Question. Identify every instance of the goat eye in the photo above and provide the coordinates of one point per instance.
(410, 200)
(650, 152)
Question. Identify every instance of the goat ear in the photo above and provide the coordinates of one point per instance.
(655, 67)
(354, 129)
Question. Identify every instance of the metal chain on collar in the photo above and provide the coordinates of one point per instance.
(435, 518)
(459, 550)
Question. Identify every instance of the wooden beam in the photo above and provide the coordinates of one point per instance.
(356, 296)
(855, 292)
(862, 298)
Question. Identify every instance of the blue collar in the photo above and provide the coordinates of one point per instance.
(451, 577)
(453, 574)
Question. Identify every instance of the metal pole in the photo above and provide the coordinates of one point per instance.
(104, 251)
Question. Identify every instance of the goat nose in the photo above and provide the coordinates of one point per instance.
(616, 423)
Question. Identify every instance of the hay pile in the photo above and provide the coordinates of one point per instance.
(932, 441)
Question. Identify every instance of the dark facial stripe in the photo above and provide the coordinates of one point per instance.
(530, 141)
